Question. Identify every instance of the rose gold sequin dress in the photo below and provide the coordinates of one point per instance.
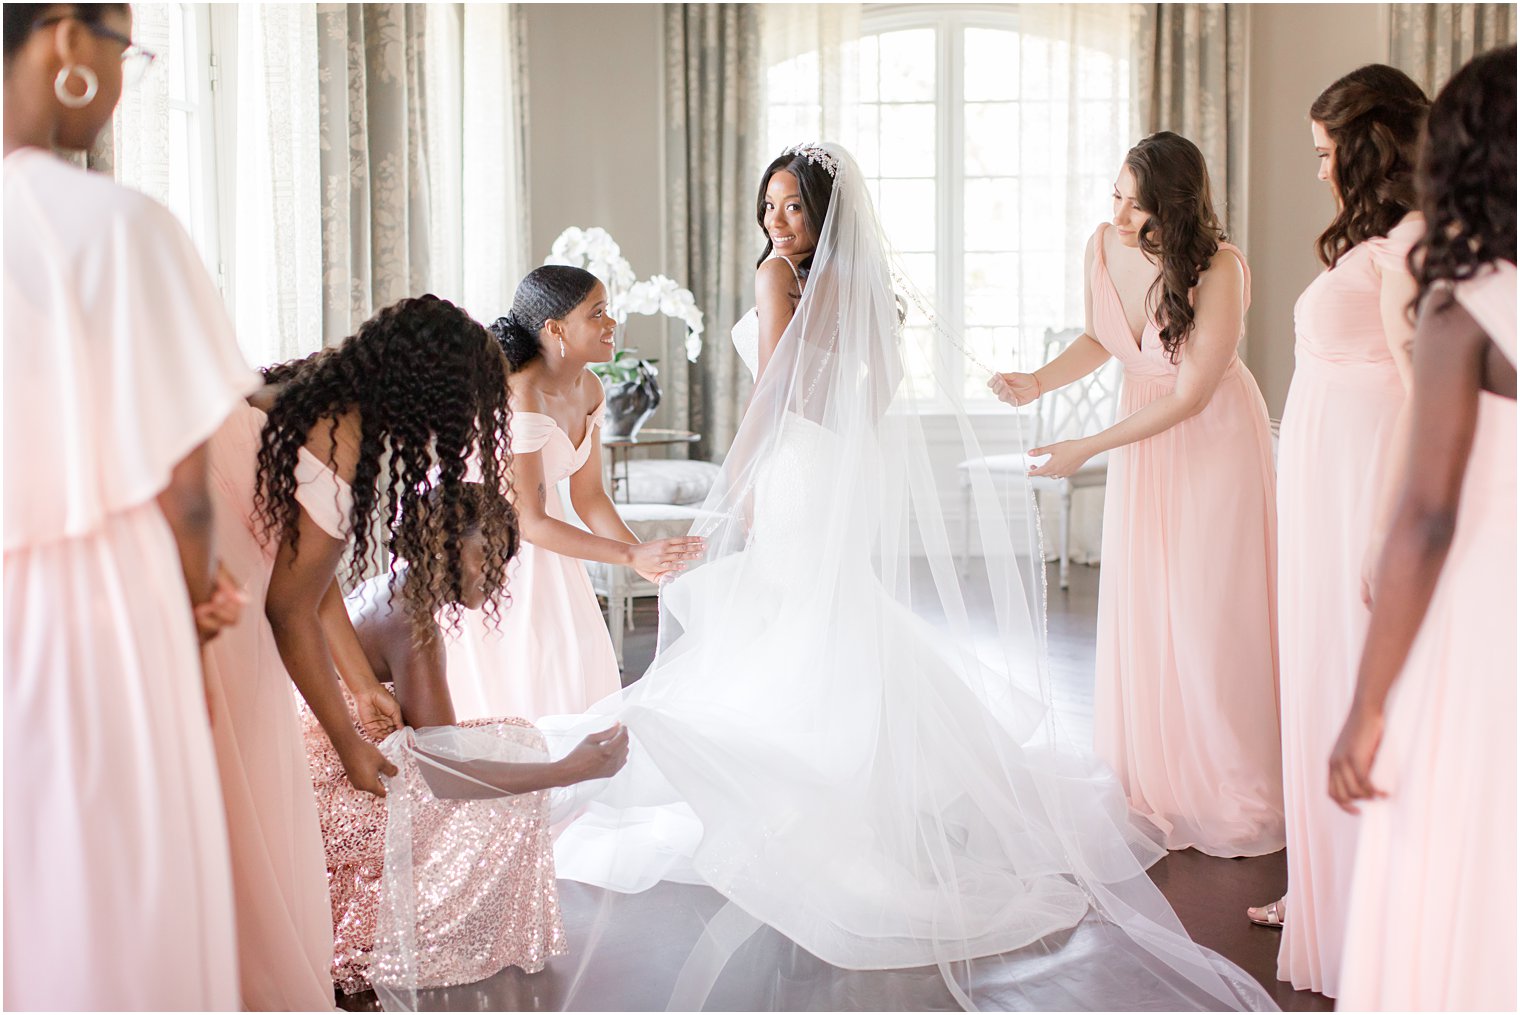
(483, 870)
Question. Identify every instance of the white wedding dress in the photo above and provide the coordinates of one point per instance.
(849, 742)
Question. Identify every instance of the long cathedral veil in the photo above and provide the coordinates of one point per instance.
(848, 787)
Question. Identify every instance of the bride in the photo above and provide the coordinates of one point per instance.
(845, 740)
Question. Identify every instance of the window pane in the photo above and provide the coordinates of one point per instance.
(918, 358)
(992, 289)
(907, 65)
(908, 138)
(921, 271)
(992, 220)
(992, 65)
(907, 213)
(992, 138)
(1042, 139)
(870, 69)
(1042, 203)
(996, 347)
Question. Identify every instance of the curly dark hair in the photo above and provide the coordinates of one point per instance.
(816, 187)
(429, 386)
(480, 508)
(1466, 174)
(1182, 233)
(1374, 115)
(547, 293)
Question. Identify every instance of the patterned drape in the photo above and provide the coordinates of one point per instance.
(1431, 42)
(1190, 64)
(374, 167)
(712, 115)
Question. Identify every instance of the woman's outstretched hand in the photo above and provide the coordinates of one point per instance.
(1066, 457)
(364, 764)
(599, 756)
(379, 712)
(660, 557)
(1016, 389)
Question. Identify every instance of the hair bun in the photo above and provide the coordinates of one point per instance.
(519, 344)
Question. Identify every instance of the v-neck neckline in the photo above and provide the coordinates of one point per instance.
(1113, 288)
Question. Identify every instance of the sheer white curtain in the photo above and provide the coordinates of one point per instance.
(237, 153)
(811, 84)
(275, 257)
(476, 97)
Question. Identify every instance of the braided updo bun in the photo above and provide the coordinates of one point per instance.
(547, 293)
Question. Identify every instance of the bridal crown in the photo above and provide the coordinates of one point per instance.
(815, 153)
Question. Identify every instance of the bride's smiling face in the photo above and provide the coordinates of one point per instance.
(786, 222)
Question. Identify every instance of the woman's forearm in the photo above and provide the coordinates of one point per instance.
(452, 779)
(303, 649)
(1155, 417)
(343, 642)
(1075, 362)
(571, 541)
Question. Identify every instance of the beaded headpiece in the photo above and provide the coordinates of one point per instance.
(817, 155)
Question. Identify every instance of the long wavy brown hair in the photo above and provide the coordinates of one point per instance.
(1467, 174)
(1182, 233)
(1374, 115)
(429, 386)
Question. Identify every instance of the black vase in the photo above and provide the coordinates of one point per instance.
(629, 405)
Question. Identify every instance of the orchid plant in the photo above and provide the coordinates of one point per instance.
(596, 251)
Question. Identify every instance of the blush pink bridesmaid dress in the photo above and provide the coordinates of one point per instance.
(1345, 396)
(552, 654)
(278, 867)
(1431, 919)
(1185, 697)
(119, 362)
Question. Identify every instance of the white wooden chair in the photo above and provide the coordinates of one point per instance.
(1076, 410)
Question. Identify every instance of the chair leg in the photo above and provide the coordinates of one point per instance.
(616, 603)
(1065, 535)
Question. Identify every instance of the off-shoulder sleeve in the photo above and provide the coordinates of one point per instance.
(531, 431)
(1489, 296)
(1391, 252)
(119, 356)
(598, 415)
(325, 496)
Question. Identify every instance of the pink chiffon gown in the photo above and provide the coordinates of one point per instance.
(119, 362)
(278, 870)
(1345, 396)
(1185, 696)
(552, 654)
(1431, 918)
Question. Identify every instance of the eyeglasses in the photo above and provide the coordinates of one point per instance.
(135, 60)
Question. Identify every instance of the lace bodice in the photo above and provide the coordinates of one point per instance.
(746, 333)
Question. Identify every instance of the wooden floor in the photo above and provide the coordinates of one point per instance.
(1209, 894)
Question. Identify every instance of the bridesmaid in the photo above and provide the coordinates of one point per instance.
(1185, 699)
(1429, 743)
(498, 904)
(305, 473)
(1344, 408)
(553, 654)
(119, 364)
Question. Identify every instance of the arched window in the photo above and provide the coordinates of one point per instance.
(990, 137)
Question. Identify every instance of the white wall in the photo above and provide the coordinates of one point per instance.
(1295, 51)
(596, 128)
